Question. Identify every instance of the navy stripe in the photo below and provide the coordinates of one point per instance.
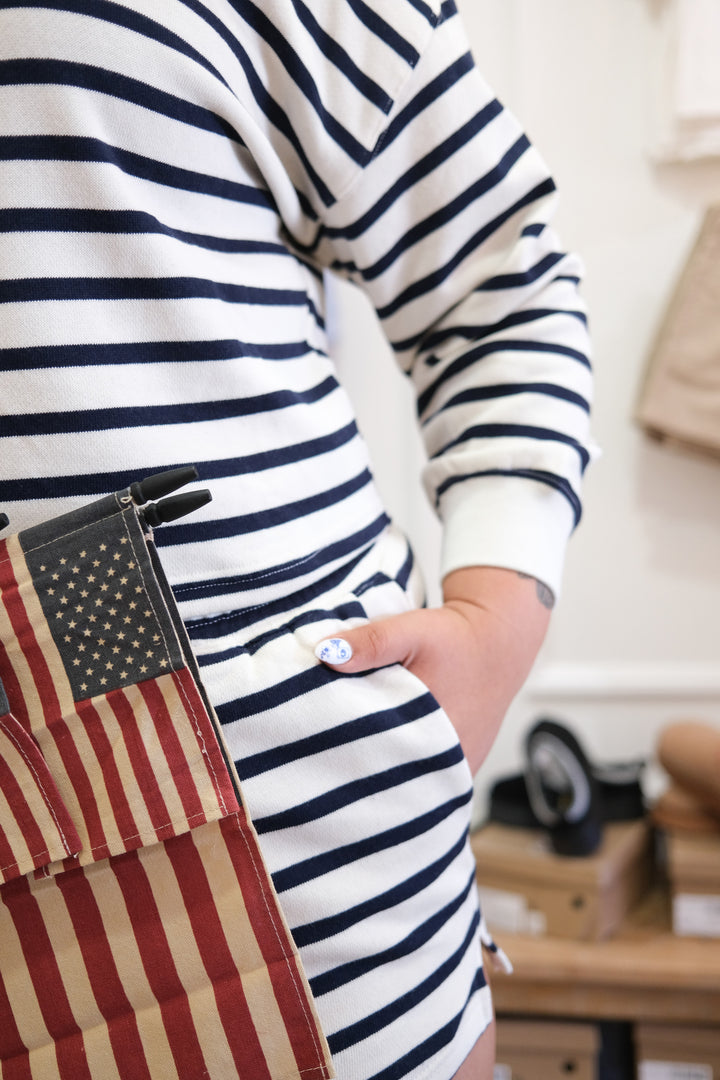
(317, 865)
(273, 518)
(526, 277)
(302, 78)
(339, 735)
(354, 790)
(322, 929)
(434, 1044)
(434, 280)
(423, 99)
(342, 60)
(403, 575)
(281, 455)
(501, 390)
(420, 169)
(425, 10)
(557, 482)
(126, 223)
(153, 415)
(369, 1025)
(278, 694)
(401, 578)
(37, 357)
(384, 31)
(451, 210)
(85, 149)
(102, 80)
(55, 487)
(516, 431)
(352, 610)
(375, 581)
(491, 348)
(120, 16)
(283, 572)
(28, 290)
(273, 111)
(474, 331)
(536, 229)
(339, 976)
(219, 626)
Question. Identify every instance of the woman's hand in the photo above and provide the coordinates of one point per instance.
(474, 652)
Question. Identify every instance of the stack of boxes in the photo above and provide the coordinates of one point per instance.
(687, 817)
(525, 888)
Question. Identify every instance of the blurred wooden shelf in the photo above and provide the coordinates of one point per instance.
(643, 973)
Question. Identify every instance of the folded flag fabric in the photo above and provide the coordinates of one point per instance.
(140, 935)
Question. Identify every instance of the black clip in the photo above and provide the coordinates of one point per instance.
(154, 487)
(175, 507)
(4, 521)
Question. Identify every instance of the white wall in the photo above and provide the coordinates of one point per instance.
(635, 641)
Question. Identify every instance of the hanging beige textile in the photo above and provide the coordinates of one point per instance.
(140, 934)
(680, 396)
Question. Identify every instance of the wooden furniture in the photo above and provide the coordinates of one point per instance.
(643, 973)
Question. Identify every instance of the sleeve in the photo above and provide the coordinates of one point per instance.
(447, 229)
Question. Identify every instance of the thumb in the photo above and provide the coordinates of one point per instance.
(377, 644)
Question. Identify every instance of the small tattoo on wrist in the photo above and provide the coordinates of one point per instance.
(543, 593)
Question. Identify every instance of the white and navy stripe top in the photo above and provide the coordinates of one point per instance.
(175, 180)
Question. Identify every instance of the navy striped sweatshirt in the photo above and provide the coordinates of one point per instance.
(176, 180)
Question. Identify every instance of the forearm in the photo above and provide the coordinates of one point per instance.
(509, 615)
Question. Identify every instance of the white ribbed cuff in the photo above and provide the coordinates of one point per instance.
(510, 522)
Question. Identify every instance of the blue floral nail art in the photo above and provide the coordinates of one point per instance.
(333, 651)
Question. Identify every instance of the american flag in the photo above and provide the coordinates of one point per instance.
(140, 935)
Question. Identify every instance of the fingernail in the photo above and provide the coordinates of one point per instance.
(333, 650)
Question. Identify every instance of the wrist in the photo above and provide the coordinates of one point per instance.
(516, 600)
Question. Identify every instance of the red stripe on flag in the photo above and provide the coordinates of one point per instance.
(14, 1059)
(47, 980)
(208, 740)
(10, 679)
(26, 823)
(174, 754)
(222, 971)
(13, 690)
(9, 865)
(34, 801)
(112, 1001)
(275, 944)
(80, 781)
(141, 764)
(97, 733)
(52, 711)
(159, 965)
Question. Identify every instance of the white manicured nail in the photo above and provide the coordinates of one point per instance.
(333, 650)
